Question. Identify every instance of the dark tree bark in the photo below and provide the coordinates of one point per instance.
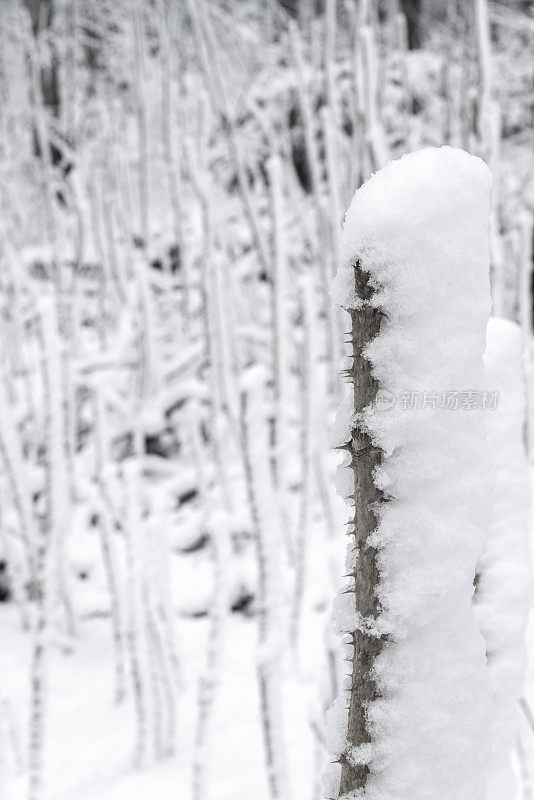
(291, 6)
(41, 15)
(365, 457)
(296, 7)
(413, 10)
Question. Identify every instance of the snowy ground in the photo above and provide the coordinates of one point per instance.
(90, 741)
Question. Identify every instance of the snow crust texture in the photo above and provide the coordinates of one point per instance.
(419, 227)
(504, 581)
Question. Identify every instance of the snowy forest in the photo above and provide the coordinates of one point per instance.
(266, 399)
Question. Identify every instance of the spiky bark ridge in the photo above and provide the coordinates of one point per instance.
(365, 458)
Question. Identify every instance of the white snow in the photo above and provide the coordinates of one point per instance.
(420, 228)
(504, 583)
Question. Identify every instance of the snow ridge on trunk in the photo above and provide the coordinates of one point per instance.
(502, 597)
(412, 720)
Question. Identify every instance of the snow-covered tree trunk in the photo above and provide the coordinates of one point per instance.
(412, 720)
(268, 540)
